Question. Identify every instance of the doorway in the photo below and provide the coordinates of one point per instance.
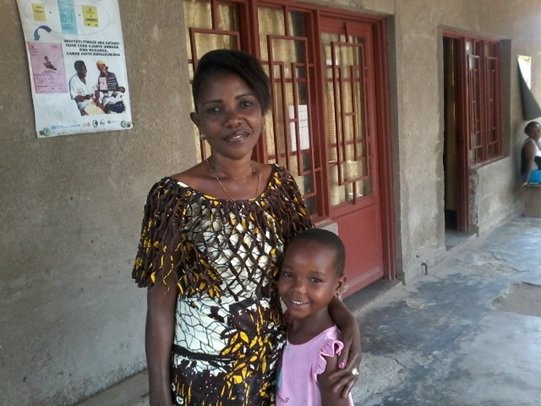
(455, 159)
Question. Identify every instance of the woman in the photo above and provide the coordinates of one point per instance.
(530, 157)
(210, 244)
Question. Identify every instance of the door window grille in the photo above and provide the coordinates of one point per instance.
(483, 100)
(347, 141)
(209, 25)
(285, 51)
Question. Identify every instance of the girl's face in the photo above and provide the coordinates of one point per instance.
(228, 115)
(308, 279)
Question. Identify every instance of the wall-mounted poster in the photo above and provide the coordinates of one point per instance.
(530, 107)
(77, 66)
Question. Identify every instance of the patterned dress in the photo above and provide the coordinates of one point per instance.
(223, 254)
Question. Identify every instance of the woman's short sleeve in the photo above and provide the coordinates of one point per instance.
(295, 215)
(158, 254)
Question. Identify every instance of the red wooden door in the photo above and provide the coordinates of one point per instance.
(351, 146)
(322, 126)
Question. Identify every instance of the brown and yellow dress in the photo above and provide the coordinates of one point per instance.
(223, 254)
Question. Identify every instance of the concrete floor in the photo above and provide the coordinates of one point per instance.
(467, 333)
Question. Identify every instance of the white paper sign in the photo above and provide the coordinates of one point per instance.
(77, 66)
(304, 128)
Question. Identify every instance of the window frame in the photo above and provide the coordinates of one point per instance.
(488, 106)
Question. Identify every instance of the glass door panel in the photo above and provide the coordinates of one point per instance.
(347, 141)
(284, 51)
(209, 25)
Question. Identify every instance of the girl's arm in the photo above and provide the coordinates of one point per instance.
(350, 358)
(160, 321)
(329, 397)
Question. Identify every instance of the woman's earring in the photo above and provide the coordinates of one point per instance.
(202, 136)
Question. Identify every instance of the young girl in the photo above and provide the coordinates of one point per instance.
(312, 274)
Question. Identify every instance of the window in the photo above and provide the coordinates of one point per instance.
(209, 25)
(482, 89)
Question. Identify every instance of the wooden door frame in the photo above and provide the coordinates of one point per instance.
(382, 128)
(462, 127)
(468, 157)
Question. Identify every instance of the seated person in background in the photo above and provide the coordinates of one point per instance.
(109, 91)
(530, 156)
(82, 92)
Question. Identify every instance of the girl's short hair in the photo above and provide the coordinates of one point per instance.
(327, 239)
(239, 63)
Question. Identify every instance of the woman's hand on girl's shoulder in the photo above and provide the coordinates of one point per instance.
(329, 396)
(349, 360)
(347, 372)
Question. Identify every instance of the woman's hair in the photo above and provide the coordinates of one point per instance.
(327, 239)
(247, 67)
(530, 126)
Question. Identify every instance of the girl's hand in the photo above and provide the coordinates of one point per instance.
(349, 360)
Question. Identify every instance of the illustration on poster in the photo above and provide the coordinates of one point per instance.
(109, 93)
(102, 96)
(83, 92)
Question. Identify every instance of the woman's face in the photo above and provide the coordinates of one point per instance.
(228, 115)
(535, 132)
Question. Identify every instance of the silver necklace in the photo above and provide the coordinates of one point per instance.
(253, 173)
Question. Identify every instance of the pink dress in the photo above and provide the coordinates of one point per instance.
(301, 364)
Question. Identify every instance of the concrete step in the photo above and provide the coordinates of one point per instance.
(130, 392)
(532, 200)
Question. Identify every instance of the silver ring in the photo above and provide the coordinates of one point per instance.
(355, 372)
